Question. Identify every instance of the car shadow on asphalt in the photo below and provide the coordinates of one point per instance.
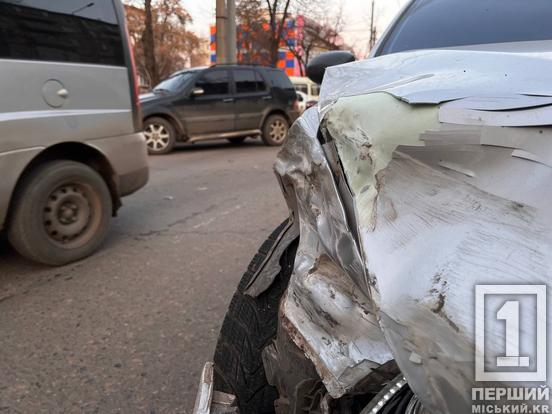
(218, 144)
(15, 270)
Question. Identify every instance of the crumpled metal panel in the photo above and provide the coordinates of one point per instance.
(436, 76)
(324, 311)
(437, 208)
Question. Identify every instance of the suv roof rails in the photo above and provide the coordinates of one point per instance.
(256, 65)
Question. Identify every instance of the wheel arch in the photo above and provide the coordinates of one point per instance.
(73, 151)
(178, 126)
(276, 111)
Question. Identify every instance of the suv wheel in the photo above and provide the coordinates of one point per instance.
(275, 130)
(61, 213)
(160, 135)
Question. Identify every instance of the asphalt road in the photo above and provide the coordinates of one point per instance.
(128, 330)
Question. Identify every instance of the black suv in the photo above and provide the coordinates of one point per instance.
(229, 101)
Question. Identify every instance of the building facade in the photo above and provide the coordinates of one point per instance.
(250, 47)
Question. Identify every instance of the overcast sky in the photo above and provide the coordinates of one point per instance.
(356, 14)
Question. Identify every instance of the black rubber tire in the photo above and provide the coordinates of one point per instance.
(249, 326)
(171, 131)
(266, 129)
(26, 228)
(236, 141)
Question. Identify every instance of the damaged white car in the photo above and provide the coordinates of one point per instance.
(411, 275)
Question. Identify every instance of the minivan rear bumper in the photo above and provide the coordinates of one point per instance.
(128, 157)
(132, 182)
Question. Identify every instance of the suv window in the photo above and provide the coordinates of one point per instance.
(215, 82)
(261, 85)
(279, 79)
(175, 82)
(248, 81)
(245, 81)
(448, 23)
(61, 30)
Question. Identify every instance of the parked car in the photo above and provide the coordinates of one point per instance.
(311, 103)
(228, 101)
(306, 86)
(302, 101)
(70, 127)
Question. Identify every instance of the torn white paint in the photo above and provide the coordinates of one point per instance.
(539, 116)
(437, 76)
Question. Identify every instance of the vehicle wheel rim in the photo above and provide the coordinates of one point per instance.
(157, 137)
(278, 131)
(71, 215)
(392, 392)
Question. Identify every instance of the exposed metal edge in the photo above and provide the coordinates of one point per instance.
(205, 393)
(270, 267)
(234, 134)
(456, 168)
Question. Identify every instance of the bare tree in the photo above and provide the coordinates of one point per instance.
(264, 27)
(373, 28)
(162, 42)
(255, 38)
(320, 31)
(278, 12)
(148, 43)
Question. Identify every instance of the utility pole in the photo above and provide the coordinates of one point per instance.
(232, 32)
(221, 37)
(373, 29)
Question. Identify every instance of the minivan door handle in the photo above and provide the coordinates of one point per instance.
(228, 100)
(63, 93)
(267, 98)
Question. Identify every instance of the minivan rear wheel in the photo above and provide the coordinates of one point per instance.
(61, 213)
(160, 135)
(275, 130)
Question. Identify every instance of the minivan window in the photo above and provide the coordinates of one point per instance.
(215, 82)
(315, 89)
(62, 30)
(448, 23)
(301, 87)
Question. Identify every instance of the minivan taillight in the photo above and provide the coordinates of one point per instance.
(135, 78)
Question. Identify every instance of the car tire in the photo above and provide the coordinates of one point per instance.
(249, 326)
(160, 135)
(275, 130)
(236, 141)
(61, 213)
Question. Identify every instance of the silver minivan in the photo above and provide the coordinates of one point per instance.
(70, 126)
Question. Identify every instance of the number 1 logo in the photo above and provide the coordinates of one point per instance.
(509, 312)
